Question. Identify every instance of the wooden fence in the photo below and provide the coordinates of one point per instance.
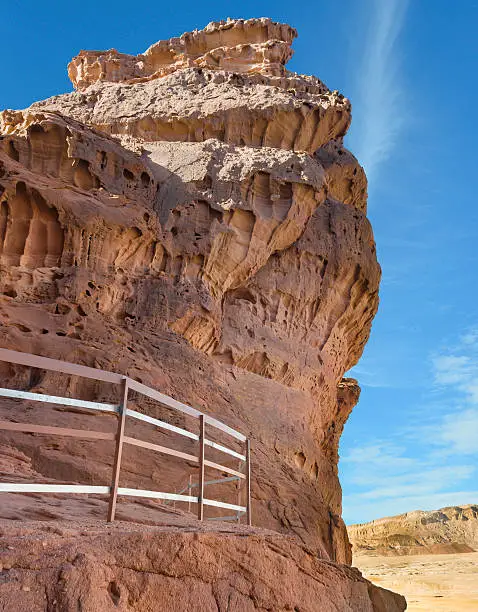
(122, 412)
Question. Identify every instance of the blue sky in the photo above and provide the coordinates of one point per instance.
(410, 69)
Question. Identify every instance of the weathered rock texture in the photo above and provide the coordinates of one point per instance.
(247, 47)
(190, 217)
(81, 566)
(448, 530)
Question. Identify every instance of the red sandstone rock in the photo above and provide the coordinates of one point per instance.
(90, 568)
(203, 231)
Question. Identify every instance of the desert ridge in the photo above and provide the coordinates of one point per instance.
(448, 530)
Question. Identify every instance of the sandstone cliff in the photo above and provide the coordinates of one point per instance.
(189, 216)
(448, 530)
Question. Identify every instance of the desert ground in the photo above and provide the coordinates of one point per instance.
(435, 583)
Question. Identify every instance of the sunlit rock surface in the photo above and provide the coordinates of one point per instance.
(190, 217)
(449, 530)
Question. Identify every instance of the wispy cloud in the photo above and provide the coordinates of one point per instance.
(457, 366)
(379, 101)
(456, 374)
(460, 432)
(356, 511)
(383, 478)
(431, 462)
(452, 369)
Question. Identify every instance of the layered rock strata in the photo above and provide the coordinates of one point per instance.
(448, 530)
(241, 46)
(190, 217)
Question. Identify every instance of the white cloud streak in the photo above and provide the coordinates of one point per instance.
(379, 102)
(460, 432)
(382, 479)
(429, 464)
(356, 511)
(456, 373)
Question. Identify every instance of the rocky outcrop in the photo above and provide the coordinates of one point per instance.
(448, 530)
(85, 567)
(241, 46)
(190, 217)
(196, 104)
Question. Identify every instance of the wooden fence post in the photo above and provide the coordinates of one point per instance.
(248, 483)
(118, 452)
(239, 489)
(201, 468)
(190, 489)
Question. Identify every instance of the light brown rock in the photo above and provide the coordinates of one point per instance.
(236, 45)
(448, 530)
(194, 104)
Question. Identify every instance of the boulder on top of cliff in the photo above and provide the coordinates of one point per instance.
(243, 46)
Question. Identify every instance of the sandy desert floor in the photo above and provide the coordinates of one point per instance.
(435, 583)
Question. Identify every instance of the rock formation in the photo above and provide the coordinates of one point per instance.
(448, 530)
(80, 567)
(190, 217)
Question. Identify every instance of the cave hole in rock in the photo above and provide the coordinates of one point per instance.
(12, 151)
(103, 159)
(62, 309)
(114, 592)
(83, 177)
(22, 328)
(81, 311)
(243, 293)
(213, 213)
(36, 129)
(4, 212)
(207, 182)
(300, 459)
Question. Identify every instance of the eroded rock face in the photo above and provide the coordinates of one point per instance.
(448, 530)
(83, 567)
(191, 218)
(195, 104)
(240, 46)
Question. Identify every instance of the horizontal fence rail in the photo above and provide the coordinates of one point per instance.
(54, 399)
(121, 412)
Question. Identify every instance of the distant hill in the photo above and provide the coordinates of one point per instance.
(448, 530)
